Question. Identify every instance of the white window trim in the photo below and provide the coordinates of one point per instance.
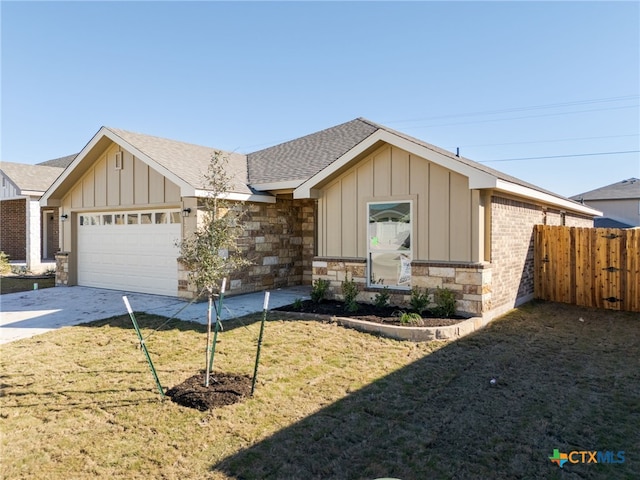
(369, 252)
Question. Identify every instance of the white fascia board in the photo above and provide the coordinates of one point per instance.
(44, 200)
(32, 193)
(239, 197)
(266, 187)
(527, 192)
(477, 178)
(186, 190)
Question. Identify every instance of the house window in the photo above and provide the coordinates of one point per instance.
(389, 244)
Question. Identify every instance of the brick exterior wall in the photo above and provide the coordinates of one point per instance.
(13, 229)
(512, 247)
(279, 239)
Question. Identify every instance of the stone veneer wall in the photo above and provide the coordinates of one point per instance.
(62, 269)
(480, 288)
(280, 240)
(13, 229)
(470, 282)
(512, 248)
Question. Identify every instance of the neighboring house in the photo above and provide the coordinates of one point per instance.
(619, 202)
(357, 200)
(28, 234)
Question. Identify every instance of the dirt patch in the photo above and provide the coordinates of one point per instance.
(224, 389)
(369, 313)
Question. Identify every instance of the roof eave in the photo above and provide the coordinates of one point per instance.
(239, 197)
(277, 186)
(477, 178)
(563, 203)
(54, 193)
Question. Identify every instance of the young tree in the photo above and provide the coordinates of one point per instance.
(210, 253)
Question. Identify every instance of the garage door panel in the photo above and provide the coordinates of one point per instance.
(134, 257)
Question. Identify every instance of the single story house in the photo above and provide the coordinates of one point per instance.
(619, 202)
(29, 235)
(357, 200)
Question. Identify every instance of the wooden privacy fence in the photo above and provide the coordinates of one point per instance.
(592, 267)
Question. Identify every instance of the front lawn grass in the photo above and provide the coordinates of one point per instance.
(330, 403)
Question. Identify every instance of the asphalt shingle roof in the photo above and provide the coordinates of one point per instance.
(34, 178)
(606, 222)
(62, 162)
(186, 160)
(303, 157)
(623, 190)
(295, 160)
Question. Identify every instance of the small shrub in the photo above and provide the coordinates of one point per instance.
(381, 299)
(4, 263)
(419, 300)
(350, 292)
(319, 290)
(410, 318)
(445, 303)
(19, 270)
(297, 304)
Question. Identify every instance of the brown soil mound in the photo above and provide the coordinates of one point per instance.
(223, 389)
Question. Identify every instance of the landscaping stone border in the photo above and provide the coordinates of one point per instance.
(413, 334)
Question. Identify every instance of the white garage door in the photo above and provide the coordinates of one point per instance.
(132, 251)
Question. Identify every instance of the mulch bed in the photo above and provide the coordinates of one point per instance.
(224, 389)
(367, 312)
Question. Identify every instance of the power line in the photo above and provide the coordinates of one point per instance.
(558, 140)
(518, 118)
(521, 109)
(559, 156)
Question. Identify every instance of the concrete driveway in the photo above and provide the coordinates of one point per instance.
(33, 312)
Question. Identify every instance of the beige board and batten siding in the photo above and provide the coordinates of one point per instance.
(446, 213)
(105, 187)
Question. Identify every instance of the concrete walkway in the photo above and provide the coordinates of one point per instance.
(25, 314)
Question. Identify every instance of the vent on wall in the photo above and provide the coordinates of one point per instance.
(118, 160)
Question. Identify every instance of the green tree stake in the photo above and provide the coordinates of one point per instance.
(215, 331)
(142, 345)
(264, 318)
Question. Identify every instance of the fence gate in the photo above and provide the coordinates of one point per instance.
(592, 267)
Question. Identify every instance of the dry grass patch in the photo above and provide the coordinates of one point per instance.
(330, 402)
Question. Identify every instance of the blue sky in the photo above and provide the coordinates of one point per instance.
(499, 80)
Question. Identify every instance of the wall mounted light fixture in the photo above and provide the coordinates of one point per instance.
(64, 217)
(186, 212)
